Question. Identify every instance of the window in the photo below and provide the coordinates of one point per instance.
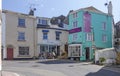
(89, 37)
(21, 22)
(58, 35)
(75, 36)
(104, 26)
(75, 15)
(104, 38)
(43, 48)
(75, 23)
(45, 35)
(75, 51)
(42, 21)
(21, 35)
(23, 50)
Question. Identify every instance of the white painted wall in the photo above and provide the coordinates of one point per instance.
(109, 54)
(52, 38)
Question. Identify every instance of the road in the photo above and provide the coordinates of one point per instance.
(56, 68)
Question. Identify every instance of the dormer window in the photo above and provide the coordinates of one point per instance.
(42, 21)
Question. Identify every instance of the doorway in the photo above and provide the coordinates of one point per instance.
(87, 53)
(10, 53)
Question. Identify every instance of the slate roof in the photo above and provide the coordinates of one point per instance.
(91, 9)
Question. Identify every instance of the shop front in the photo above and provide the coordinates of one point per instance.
(49, 49)
(75, 51)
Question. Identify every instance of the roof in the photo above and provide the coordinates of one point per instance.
(91, 9)
(8, 11)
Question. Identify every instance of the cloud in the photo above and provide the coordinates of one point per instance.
(52, 9)
(42, 5)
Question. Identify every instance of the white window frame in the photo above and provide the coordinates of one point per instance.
(21, 22)
(89, 36)
(40, 21)
(73, 52)
(20, 37)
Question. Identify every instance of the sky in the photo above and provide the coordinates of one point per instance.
(52, 8)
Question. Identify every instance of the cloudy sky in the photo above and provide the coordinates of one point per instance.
(50, 8)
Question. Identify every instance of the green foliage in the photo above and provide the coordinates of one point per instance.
(101, 60)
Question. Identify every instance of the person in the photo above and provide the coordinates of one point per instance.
(54, 55)
(42, 56)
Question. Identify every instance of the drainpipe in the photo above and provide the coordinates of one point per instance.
(93, 44)
(34, 37)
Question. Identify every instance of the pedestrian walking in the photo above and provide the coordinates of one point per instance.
(54, 55)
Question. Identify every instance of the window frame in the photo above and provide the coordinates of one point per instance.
(89, 37)
(45, 35)
(75, 36)
(24, 50)
(21, 22)
(75, 15)
(21, 36)
(75, 24)
(42, 21)
(57, 36)
(104, 26)
(104, 38)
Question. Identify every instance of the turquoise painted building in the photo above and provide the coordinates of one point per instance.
(89, 29)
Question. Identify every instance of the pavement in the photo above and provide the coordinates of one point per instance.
(48, 68)
(115, 68)
(6, 73)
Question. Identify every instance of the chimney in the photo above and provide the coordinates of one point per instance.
(110, 8)
(31, 12)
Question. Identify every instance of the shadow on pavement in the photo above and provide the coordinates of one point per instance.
(56, 61)
(104, 72)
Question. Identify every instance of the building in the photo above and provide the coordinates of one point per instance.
(50, 37)
(117, 36)
(18, 35)
(89, 29)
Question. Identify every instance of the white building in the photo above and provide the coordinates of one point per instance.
(18, 35)
(50, 38)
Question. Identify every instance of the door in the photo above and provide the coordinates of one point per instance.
(10, 53)
(87, 53)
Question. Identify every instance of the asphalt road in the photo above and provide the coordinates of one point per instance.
(56, 68)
